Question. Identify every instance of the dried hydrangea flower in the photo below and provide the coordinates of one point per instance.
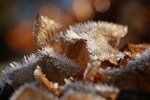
(84, 52)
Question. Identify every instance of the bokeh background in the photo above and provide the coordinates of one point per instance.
(17, 18)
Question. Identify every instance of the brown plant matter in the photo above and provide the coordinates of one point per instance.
(84, 60)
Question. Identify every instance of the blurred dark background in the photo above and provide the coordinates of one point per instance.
(17, 17)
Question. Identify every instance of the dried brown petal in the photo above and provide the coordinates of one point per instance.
(45, 30)
(132, 51)
(78, 53)
(93, 75)
(136, 49)
(132, 76)
(44, 82)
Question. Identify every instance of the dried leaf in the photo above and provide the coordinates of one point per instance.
(93, 75)
(135, 49)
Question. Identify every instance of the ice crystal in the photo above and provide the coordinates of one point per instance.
(101, 38)
(14, 73)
